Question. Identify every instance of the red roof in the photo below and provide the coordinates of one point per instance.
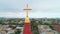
(27, 29)
(57, 28)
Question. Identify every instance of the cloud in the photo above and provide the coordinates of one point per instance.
(12, 14)
(40, 8)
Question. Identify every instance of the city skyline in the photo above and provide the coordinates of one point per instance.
(40, 8)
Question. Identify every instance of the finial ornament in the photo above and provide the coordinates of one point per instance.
(27, 18)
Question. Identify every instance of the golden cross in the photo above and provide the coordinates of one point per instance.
(27, 10)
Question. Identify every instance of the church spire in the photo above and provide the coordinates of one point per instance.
(27, 26)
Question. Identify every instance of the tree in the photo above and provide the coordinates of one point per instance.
(51, 27)
(18, 31)
(34, 27)
(0, 21)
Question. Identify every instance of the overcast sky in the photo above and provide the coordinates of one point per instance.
(40, 8)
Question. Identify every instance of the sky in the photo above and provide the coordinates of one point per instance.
(40, 8)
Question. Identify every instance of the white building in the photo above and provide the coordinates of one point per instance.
(44, 29)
